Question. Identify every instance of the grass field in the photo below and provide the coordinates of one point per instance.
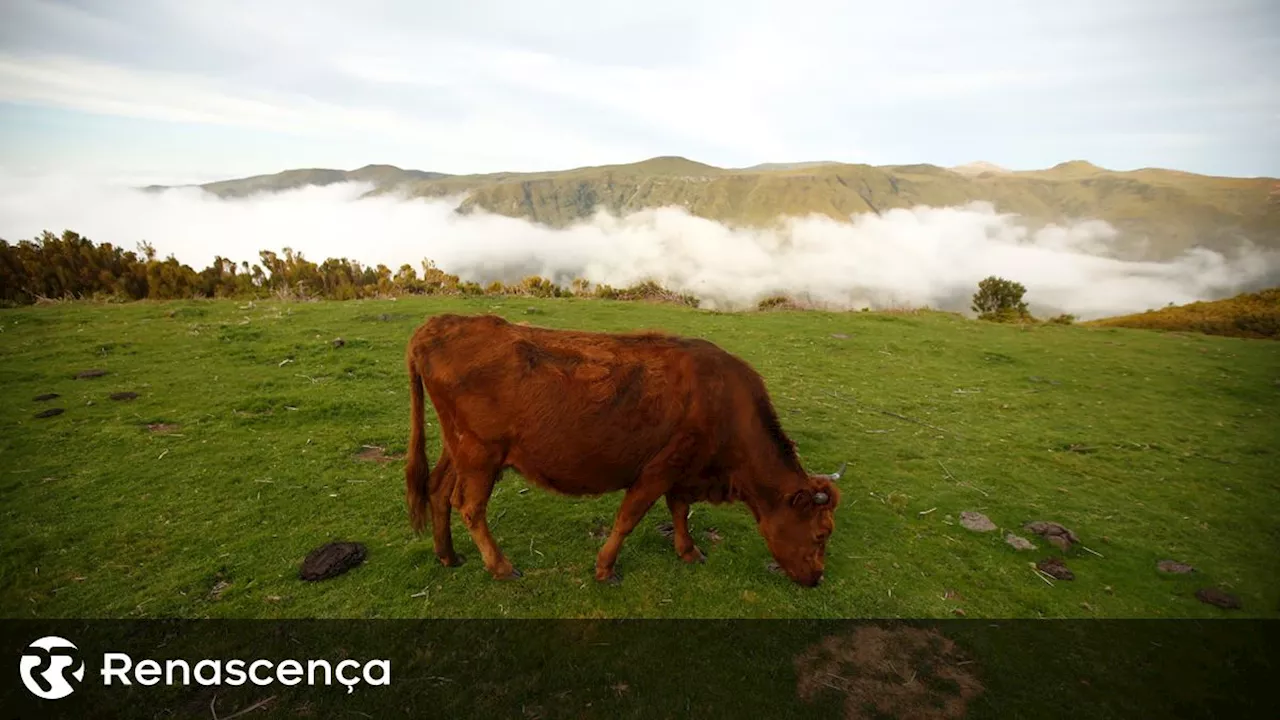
(1150, 446)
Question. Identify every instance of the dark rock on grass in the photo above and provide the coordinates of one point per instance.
(331, 560)
(124, 395)
(339, 342)
(46, 396)
(85, 374)
(1057, 535)
(976, 521)
(1054, 567)
(1220, 598)
(1174, 567)
(50, 412)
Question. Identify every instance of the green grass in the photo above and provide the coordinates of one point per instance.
(1149, 446)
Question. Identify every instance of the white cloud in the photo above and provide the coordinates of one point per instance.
(924, 256)
(96, 87)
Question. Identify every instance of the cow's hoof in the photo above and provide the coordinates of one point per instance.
(694, 556)
(513, 575)
(452, 561)
(613, 578)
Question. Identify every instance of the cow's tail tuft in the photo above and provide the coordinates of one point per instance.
(417, 470)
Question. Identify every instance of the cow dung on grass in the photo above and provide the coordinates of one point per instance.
(124, 395)
(331, 560)
(50, 412)
(85, 374)
(46, 396)
(1054, 567)
(1057, 535)
(1219, 598)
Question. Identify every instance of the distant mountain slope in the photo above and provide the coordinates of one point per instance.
(1160, 212)
(382, 176)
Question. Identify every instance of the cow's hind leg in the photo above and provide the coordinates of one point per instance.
(443, 478)
(685, 547)
(476, 474)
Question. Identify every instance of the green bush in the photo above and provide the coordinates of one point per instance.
(1000, 300)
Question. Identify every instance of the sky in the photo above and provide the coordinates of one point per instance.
(196, 90)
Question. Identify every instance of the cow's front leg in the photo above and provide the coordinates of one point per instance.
(639, 498)
(685, 547)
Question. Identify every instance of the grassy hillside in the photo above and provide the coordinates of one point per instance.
(248, 445)
(1249, 315)
(1161, 212)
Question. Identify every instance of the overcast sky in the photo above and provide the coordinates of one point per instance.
(174, 90)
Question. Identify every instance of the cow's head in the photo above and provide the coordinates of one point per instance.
(796, 530)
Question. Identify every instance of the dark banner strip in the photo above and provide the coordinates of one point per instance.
(641, 669)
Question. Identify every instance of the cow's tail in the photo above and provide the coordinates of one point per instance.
(417, 470)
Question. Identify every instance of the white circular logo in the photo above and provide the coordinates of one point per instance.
(48, 666)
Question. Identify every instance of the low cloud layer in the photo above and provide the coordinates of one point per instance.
(905, 258)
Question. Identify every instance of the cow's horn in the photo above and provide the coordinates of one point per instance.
(821, 498)
(836, 475)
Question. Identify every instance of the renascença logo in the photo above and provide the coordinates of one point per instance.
(49, 665)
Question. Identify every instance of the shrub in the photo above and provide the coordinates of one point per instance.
(775, 302)
(1000, 300)
(1063, 319)
(1248, 315)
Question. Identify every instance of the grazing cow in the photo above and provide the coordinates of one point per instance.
(582, 413)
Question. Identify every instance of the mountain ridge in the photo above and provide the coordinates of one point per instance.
(1159, 212)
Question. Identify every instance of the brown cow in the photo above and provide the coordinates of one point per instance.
(582, 413)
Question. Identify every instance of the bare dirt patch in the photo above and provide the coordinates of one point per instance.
(906, 673)
(330, 560)
(163, 428)
(374, 453)
(1174, 567)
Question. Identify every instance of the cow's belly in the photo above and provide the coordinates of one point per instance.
(581, 458)
(577, 469)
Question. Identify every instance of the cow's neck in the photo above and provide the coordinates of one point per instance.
(766, 486)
